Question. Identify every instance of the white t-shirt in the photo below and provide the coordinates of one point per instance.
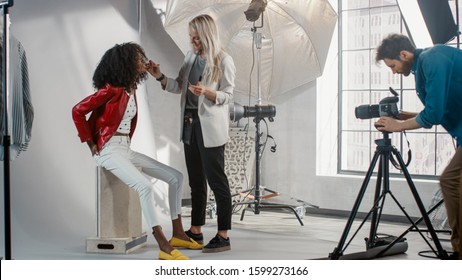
(130, 112)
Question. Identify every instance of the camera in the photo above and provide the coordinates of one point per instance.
(237, 111)
(387, 107)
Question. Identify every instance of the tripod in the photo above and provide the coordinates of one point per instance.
(384, 152)
(258, 205)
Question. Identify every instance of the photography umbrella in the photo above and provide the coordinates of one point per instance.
(296, 35)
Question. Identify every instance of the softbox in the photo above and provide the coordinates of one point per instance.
(428, 22)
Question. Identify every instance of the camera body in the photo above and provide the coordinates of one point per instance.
(387, 107)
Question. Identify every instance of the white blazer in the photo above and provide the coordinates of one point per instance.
(214, 116)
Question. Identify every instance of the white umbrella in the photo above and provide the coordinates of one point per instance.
(296, 38)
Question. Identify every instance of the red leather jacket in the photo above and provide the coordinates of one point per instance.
(107, 107)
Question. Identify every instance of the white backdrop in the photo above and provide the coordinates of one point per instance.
(53, 183)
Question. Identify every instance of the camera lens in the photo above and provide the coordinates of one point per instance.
(367, 112)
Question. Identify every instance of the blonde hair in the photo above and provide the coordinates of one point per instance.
(207, 31)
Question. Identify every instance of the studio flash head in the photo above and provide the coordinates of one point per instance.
(256, 7)
(237, 111)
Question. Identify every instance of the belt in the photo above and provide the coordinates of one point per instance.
(121, 134)
(191, 112)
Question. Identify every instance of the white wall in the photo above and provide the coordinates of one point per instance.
(53, 183)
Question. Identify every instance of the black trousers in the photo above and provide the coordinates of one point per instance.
(207, 165)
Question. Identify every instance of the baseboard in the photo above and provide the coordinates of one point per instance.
(340, 214)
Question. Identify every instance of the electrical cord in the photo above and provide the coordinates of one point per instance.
(423, 254)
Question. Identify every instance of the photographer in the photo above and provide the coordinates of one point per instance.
(438, 78)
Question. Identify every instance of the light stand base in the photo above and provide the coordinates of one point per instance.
(247, 194)
(376, 252)
(372, 253)
(265, 206)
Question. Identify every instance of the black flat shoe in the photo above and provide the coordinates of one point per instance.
(217, 244)
(198, 237)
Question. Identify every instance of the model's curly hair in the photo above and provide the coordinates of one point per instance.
(118, 66)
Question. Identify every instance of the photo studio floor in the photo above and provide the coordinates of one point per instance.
(271, 235)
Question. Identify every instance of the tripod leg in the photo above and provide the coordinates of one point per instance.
(383, 179)
(383, 165)
(338, 251)
(442, 254)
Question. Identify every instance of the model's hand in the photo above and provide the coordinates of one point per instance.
(93, 148)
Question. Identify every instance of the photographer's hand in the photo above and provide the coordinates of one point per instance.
(390, 124)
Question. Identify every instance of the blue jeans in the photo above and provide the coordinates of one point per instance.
(130, 166)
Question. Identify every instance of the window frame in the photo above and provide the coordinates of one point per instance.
(403, 87)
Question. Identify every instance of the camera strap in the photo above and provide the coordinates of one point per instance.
(409, 155)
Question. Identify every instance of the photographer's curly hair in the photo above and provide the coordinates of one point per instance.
(118, 67)
(392, 46)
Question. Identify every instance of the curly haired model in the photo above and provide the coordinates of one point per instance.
(108, 132)
(118, 68)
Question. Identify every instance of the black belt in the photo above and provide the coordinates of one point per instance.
(191, 113)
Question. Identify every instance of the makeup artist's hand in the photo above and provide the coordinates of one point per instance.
(197, 89)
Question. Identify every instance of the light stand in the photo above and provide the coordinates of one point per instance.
(258, 205)
(6, 137)
(374, 248)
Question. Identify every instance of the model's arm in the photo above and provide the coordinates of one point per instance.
(86, 106)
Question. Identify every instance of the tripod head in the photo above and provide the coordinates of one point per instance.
(385, 141)
(385, 136)
(384, 146)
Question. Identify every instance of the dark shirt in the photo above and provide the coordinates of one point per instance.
(196, 72)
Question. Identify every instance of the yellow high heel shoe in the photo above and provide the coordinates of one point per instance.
(191, 244)
(174, 255)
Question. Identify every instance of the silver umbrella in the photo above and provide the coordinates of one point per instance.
(296, 35)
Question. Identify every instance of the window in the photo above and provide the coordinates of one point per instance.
(363, 24)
